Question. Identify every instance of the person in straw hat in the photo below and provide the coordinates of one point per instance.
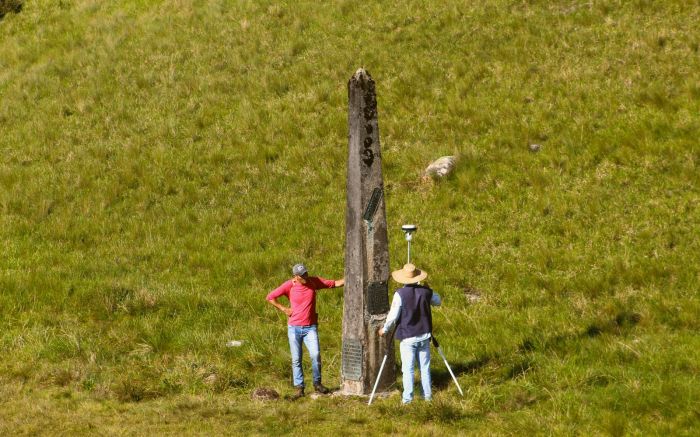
(410, 310)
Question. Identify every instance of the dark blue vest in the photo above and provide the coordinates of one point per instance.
(415, 318)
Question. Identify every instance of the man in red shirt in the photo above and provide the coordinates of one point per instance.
(303, 321)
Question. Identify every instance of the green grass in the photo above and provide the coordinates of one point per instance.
(163, 164)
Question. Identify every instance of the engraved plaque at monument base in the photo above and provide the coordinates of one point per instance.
(352, 359)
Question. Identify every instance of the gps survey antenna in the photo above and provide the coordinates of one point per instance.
(409, 230)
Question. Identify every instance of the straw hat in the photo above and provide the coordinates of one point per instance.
(409, 274)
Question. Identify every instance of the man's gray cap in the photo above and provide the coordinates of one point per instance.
(299, 270)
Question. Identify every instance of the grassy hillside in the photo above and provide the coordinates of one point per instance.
(164, 163)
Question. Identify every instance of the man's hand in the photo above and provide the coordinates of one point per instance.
(279, 306)
(381, 332)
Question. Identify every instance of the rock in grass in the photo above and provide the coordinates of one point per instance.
(472, 294)
(473, 298)
(441, 167)
(535, 148)
(264, 394)
(211, 379)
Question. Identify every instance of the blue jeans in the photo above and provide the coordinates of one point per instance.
(410, 353)
(309, 336)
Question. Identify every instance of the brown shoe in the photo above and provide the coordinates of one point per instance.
(321, 389)
(299, 393)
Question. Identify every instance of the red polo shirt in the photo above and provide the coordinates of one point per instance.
(302, 299)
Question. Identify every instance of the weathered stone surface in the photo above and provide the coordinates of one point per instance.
(441, 167)
(366, 245)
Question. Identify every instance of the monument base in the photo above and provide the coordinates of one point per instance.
(383, 395)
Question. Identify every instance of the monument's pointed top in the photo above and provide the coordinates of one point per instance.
(361, 75)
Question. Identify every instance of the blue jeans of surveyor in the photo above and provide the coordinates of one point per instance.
(309, 336)
(412, 351)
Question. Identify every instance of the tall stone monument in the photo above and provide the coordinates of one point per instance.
(366, 299)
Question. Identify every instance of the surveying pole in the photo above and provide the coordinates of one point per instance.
(409, 230)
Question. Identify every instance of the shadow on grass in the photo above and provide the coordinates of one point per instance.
(621, 324)
(441, 377)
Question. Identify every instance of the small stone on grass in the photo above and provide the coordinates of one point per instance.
(441, 167)
(264, 394)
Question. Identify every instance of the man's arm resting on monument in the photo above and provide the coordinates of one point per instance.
(321, 283)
